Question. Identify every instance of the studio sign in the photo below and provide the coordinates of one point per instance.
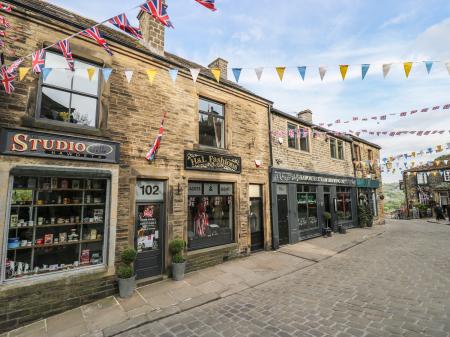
(313, 179)
(33, 144)
(211, 162)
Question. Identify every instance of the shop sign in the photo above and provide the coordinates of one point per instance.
(211, 189)
(149, 191)
(211, 162)
(195, 189)
(308, 178)
(226, 189)
(47, 145)
(367, 183)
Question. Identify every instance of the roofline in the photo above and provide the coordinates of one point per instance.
(128, 45)
(426, 169)
(361, 140)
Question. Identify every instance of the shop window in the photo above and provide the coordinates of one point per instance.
(211, 124)
(443, 196)
(210, 218)
(307, 207)
(56, 224)
(447, 175)
(69, 97)
(357, 152)
(292, 136)
(344, 204)
(422, 178)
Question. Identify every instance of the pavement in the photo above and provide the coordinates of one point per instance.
(255, 278)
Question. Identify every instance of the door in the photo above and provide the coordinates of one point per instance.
(256, 224)
(283, 224)
(149, 228)
(328, 209)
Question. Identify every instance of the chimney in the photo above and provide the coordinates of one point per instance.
(222, 65)
(152, 33)
(305, 115)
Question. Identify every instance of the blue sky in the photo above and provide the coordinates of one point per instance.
(292, 33)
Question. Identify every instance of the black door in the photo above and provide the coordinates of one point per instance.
(149, 239)
(329, 209)
(283, 225)
(257, 223)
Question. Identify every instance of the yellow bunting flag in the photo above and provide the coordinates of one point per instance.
(91, 73)
(439, 148)
(343, 69)
(151, 73)
(216, 73)
(23, 72)
(280, 72)
(408, 67)
(413, 154)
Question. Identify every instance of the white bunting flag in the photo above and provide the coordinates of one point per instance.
(173, 74)
(448, 67)
(194, 73)
(129, 75)
(386, 69)
(259, 72)
(322, 72)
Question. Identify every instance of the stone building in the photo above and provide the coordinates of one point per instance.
(366, 159)
(76, 188)
(427, 185)
(312, 175)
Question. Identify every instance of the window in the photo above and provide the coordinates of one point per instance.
(443, 196)
(211, 124)
(292, 136)
(55, 224)
(307, 207)
(422, 178)
(304, 140)
(370, 154)
(344, 204)
(69, 97)
(447, 175)
(210, 218)
(337, 148)
(357, 152)
(370, 198)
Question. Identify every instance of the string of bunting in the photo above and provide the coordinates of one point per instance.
(156, 8)
(418, 153)
(399, 133)
(439, 165)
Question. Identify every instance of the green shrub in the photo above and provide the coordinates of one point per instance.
(176, 248)
(125, 271)
(128, 256)
(327, 215)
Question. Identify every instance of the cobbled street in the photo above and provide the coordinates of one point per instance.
(397, 284)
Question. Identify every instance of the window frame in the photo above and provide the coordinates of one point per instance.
(223, 118)
(333, 142)
(357, 152)
(424, 178)
(337, 143)
(369, 154)
(447, 175)
(295, 128)
(42, 85)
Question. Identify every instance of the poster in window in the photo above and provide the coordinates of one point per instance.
(147, 231)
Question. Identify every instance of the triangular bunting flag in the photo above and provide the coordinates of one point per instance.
(91, 73)
(428, 65)
(23, 71)
(343, 68)
(448, 67)
(173, 74)
(46, 72)
(280, 72)
(259, 72)
(194, 73)
(407, 66)
(322, 72)
(216, 73)
(364, 70)
(129, 75)
(106, 73)
(386, 69)
(237, 74)
(151, 74)
(302, 71)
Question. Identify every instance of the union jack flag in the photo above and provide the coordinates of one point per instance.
(158, 10)
(64, 46)
(355, 118)
(4, 22)
(403, 114)
(338, 121)
(7, 80)
(413, 112)
(2, 33)
(121, 22)
(12, 69)
(383, 118)
(210, 4)
(154, 149)
(38, 61)
(424, 110)
(436, 107)
(374, 118)
(5, 7)
(446, 107)
(95, 34)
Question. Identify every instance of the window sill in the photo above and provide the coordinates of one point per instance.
(211, 249)
(41, 124)
(206, 148)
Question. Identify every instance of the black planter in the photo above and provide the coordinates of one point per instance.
(329, 232)
(342, 229)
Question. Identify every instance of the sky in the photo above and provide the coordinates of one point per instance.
(292, 33)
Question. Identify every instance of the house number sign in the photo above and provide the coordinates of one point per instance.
(149, 190)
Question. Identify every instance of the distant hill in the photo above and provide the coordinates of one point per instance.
(393, 197)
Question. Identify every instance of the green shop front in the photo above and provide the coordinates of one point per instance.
(367, 193)
(304, 204)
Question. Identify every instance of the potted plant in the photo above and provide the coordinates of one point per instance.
(327, 216)
(125, 273)
(176, 248)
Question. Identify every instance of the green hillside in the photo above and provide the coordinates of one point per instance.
(394, 197)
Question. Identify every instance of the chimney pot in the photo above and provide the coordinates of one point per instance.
(305, 115)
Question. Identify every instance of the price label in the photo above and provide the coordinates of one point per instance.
(149, 190)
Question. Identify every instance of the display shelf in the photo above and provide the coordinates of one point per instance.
(69, 205)
(21, 206)
(20, 248)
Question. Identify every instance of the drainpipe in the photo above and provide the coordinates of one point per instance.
(269, 116)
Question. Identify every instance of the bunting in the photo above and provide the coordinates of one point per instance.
(364, 70)
(64, 46)
(407, 66)
(259, 72)
(7, 79)
(343, 69)
(322, 72)
(280, 72)
(5, 7)
(158, 10)
(91, 73)
(129, 75)
(194, 73)
(428, 66)
(173, 74)
(4, 22)
(23, 72)
(106, 73)
(237, 74)
(94, 33)
(46, 72)
(151, 155)
(38, 61)
(216, 73)
(210, 4)
(302, 72)
(121, 21)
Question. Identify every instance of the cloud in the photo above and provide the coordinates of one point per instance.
(397, 20)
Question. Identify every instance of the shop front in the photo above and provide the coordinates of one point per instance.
(300, 201)
(367, 193)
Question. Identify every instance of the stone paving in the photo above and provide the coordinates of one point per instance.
(397, 284)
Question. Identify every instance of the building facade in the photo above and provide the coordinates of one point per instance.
(366, 159)
(76, 187)
(312, 179)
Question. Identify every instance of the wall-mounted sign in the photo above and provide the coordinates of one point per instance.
(149, 190)
(211, 162)
(47, 145)
(281, 176)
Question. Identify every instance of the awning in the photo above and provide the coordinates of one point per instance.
(367, 183)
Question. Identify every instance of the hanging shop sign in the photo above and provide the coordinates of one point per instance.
(310, 178)
(367, 183)
(47, 145)
(212, 162)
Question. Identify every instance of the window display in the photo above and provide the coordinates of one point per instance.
(210, 215)
(307, 207)
(55, 224)
(344, 204)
